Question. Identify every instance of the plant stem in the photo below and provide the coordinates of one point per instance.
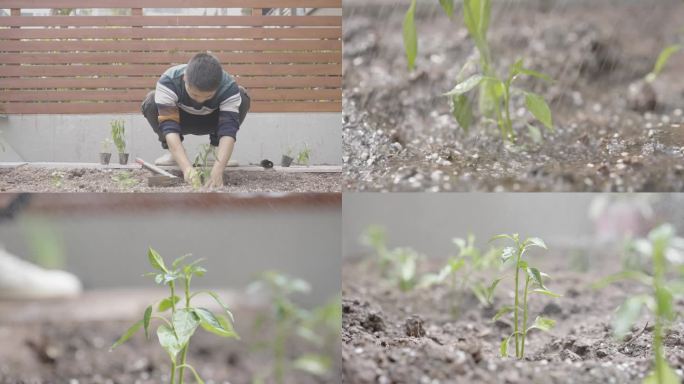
(184, 353)
(659, 273)
(173, 372)
(515, 313)
(279, 369)
(524, 331)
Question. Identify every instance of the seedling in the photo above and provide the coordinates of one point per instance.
(495, 93)
(290, 319)
(659, 301)
(119, 135)
(202, 161)
(304, 155)
(106, 145)
(375, 237)
(125, 179)
(57, 178)
(663, 58)
(534, 283)
(461, 268)
(175, 331)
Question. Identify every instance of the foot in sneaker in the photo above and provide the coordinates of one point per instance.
(166, 159)
(20, 279)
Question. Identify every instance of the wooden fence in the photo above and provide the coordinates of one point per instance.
(107, 64)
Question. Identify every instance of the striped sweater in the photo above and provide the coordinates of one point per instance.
(171, 95)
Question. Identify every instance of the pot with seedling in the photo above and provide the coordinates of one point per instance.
(304, 155)
(176, 330)
(106, 154)
(119, 138)
(287, 158)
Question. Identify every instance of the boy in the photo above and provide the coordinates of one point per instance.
(197, 98)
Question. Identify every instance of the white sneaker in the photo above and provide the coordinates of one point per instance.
(165, 159)
(20, 279)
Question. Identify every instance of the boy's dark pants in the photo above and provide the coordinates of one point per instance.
(191, 124)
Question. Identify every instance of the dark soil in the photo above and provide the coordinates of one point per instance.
(417, 337)
(24, 179)
(77, 352)
(399, 135)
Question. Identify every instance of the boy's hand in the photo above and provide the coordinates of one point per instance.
(191, 177)
(215, 178)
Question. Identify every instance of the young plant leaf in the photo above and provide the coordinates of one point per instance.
(127, 335)
(503, 349)
(448, 6)
(466, 85)
(627, 315)
(537, 242)
(314, 364)
(227, 325)
(167, 303)
(146, 321)
(218, 300)
(535, 275)
(168, 341)
(462, 110)
(538, 107)
(502, 312)
(545, 292)
(177, 262)
(184, 323)
(156, 260)
(542, 323)
(508, 253)
(211, 324)
(411, 35)
(663, 58)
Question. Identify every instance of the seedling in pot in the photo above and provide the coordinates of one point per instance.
(291, 319)
(106, 151)
(534, 283)
(495, 93)
(460, 271)
(119, 138)
(304, 155)
(287, 158)
(176, 330)
(660, 245)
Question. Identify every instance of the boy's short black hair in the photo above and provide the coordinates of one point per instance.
(204, 72)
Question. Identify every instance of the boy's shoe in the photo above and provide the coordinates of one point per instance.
(20, 279)
(165, 159)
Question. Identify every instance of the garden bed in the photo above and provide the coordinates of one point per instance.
(71, 345)
(48, 179)
(399, 135)
(391, 336)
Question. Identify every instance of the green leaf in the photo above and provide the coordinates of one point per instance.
(462, 110)
(168, 341)
(664, 303)
(522, 264)
(502, 312)
(156, 260)
(184, 323)
(663, 58)
(538, 107)
(448, 6)
(466, 85)
(127, 335)
(177, 262)
(545, 292)
(668, 374)
(508, 253)
(535, 241)
(504, 236)
(314, 364)
(146, 321)
(411, 35)
(218, 300)
(227, 325)
(627, 315)
(535, 275)
(211, 324)
(167, 303)
(542, 323)
(503, 349)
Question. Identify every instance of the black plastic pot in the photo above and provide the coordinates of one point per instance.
(286, 161)
(105, 157)
(123, 158)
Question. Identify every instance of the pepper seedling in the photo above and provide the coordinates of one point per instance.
(175, 331)
(660, 299)
(398, 265)
(291, 319)
(534, 283)
(495, 93)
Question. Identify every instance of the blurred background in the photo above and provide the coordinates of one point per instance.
(103, 239)
(428, 222)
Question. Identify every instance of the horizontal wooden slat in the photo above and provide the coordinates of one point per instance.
(170, 3)
(86, 108)
(140, 70)
(110, 21)
(149, 82)
(227, 58)
(139, 95)
(178, 45)
(171, 33)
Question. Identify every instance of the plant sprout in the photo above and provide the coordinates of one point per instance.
(460, 269)
(119, 135)
(534, 283)
(106, 145)
(304, 155)
(659, 301)
(202, 163)
(375, 237)
(125, 179)
(495, 93)
(290, 320)
(662, 60)
(175, 331)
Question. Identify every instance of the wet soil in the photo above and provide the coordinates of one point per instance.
(399, 135)
(419, 337)
(23, 179)
(78, 352)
